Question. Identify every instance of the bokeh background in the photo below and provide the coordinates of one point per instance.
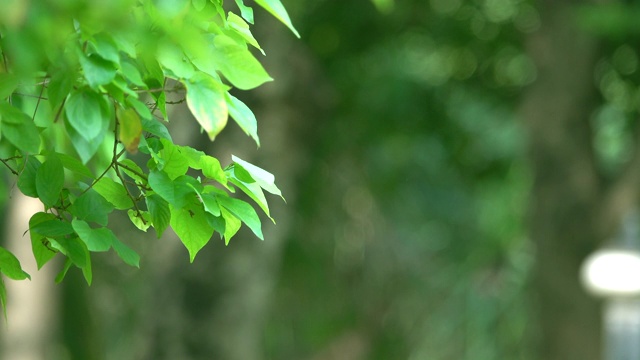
(447, 166)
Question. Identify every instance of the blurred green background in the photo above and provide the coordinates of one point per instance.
(447, 166)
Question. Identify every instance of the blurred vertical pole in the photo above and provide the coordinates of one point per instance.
(622, 328)
(31, 305)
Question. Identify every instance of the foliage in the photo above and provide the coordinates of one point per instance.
(86, 85)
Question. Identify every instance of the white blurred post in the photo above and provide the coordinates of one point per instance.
(613, 273)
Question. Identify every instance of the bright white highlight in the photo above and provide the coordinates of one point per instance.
(612, 273)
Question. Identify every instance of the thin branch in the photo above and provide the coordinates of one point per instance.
(132, 170)
(39, 97)
(35, 111)
(13, 171)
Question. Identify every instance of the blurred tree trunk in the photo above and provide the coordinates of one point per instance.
(571, 210)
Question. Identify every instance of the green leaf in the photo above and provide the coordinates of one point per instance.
(141, 220)
(205, 98)
(159, 211)
(244, 212)
(86, 271)
(242, 28)
(8, 84)
(97, 240)
(243, 116)
(41, 252)
(97, 70)
(67, 265)
(210, 204)
(106, 48)
(156, 128)
(50, 180)
(278, 11)
(199, 4)
(140, 108)
(253, 190)
(231, 225)
(130, 129)
(265, 179)
(192, 228)
(74, 165)
(132, 74)
(113, 192)
(73, 248)
(19, 129)
(211, 169)
(91, 206)
(172, 58)
(27, 178)
(245, 11)
(85, 110)
(132, 170)
(3, 298)
(51, 228)
(86, 149)
(10, 266)
(128, 255)
(61, 83)
(176, 192)
(175, 163)
(238, 64)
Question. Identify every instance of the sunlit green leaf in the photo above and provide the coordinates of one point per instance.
(10, 266)
(51, 228)
(27, 178)
(265, 179)
(244, 212)
(59, 86)
(113, 192)
(191, 227)
(8, 83)
(50, 180)
(245, 11)
(86, 114)
(172, 58)
(91, 206)
(205, 98)
(242, 29)
(97, 71)
(132, 170)
(141, 220)
(276, 9)
(175, 163)
(243, 116)
(41, 252)
(86, 149)
(99, 239)
(231, 225)
(74, 165)
(159, 211)
(128, 255)
(237, 64)
(73, 248)
(176, 192)
(19, 129)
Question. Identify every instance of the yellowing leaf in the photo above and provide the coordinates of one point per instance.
(130, 129)
(206, 100)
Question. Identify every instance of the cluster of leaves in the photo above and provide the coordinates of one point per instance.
(85, 84)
